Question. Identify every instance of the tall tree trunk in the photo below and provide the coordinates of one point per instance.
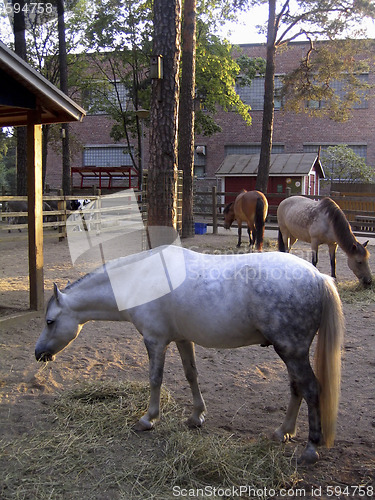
(20, 49)
(63, 67)
(162, 173)
(186, 131)
(268, 107)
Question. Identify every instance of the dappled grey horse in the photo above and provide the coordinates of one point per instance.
(176, 295)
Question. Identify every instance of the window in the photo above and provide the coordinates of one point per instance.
(98, 99)
(253, 95)
(106, 156)
(342, 88)
(200, 161)
(359, 149)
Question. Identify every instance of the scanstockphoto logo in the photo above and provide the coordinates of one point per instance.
(111, 227)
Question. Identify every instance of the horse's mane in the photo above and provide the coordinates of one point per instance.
(78, 281)
(68, 287)
(102, 269)
(341, 226)
(226, 209)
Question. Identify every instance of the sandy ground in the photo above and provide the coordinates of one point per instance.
(246, 390)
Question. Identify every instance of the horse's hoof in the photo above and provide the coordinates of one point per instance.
(143, 425)
(194, 422)
(309, 456)
(283, 437)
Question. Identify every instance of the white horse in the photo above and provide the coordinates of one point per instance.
(176, 295)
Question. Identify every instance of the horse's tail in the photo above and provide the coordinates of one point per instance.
(328, 359)
(259, 223)
(280, 241)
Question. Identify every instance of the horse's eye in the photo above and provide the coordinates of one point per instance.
(49, 322)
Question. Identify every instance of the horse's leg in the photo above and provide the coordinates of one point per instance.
(186, 350)
(314, 252)
(156, 353)
(250, 236)
(253, 232)
(303, 379)
(291, 242)
(239, 234)
(286, 240)
(288, 429)
(332, 247)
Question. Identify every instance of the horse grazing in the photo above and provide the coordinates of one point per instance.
(250, 207)
(259, 298)
(22, 206)
(322, 222)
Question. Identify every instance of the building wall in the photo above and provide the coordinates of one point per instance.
(291, 131)
(94, 129)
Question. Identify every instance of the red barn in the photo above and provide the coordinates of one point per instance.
(300, 172)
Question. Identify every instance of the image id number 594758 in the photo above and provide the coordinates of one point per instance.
(350, 491)
(28, 8)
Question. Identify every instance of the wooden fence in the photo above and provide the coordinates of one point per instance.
(359, 210)
(56, 219)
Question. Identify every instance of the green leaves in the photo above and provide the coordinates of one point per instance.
(216, 76)
(330, 80)
(340, 163)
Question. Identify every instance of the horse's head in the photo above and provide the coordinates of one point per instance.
(358, 262)
(228, 215)
(61, 328)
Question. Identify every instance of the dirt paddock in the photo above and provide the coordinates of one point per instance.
(246, 390)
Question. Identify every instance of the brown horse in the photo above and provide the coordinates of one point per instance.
(250, 207)
(322, 222)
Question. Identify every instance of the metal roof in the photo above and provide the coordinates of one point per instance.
(23, 89)
(281, 165)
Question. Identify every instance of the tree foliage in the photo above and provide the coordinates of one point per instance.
(328, 82)
(216, 75)
(328, 72)
(319, 69)
(121, 48)
(342, 164)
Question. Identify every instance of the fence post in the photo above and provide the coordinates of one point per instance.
(214, 210)
(61, 206)
(98, 211)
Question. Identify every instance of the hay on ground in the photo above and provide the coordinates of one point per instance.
(90, 451)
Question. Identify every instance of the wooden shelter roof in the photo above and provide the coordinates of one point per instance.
(23, 89)
(27, 98)
(282, 164)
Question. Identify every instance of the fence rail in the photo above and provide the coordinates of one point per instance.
(56, 219)
(359, 210)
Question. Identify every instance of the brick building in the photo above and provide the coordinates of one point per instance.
(293, 133)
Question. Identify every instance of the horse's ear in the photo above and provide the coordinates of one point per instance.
(366, 243)
(57, 292)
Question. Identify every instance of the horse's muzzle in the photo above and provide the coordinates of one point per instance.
(367, 282)
(43, 357)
